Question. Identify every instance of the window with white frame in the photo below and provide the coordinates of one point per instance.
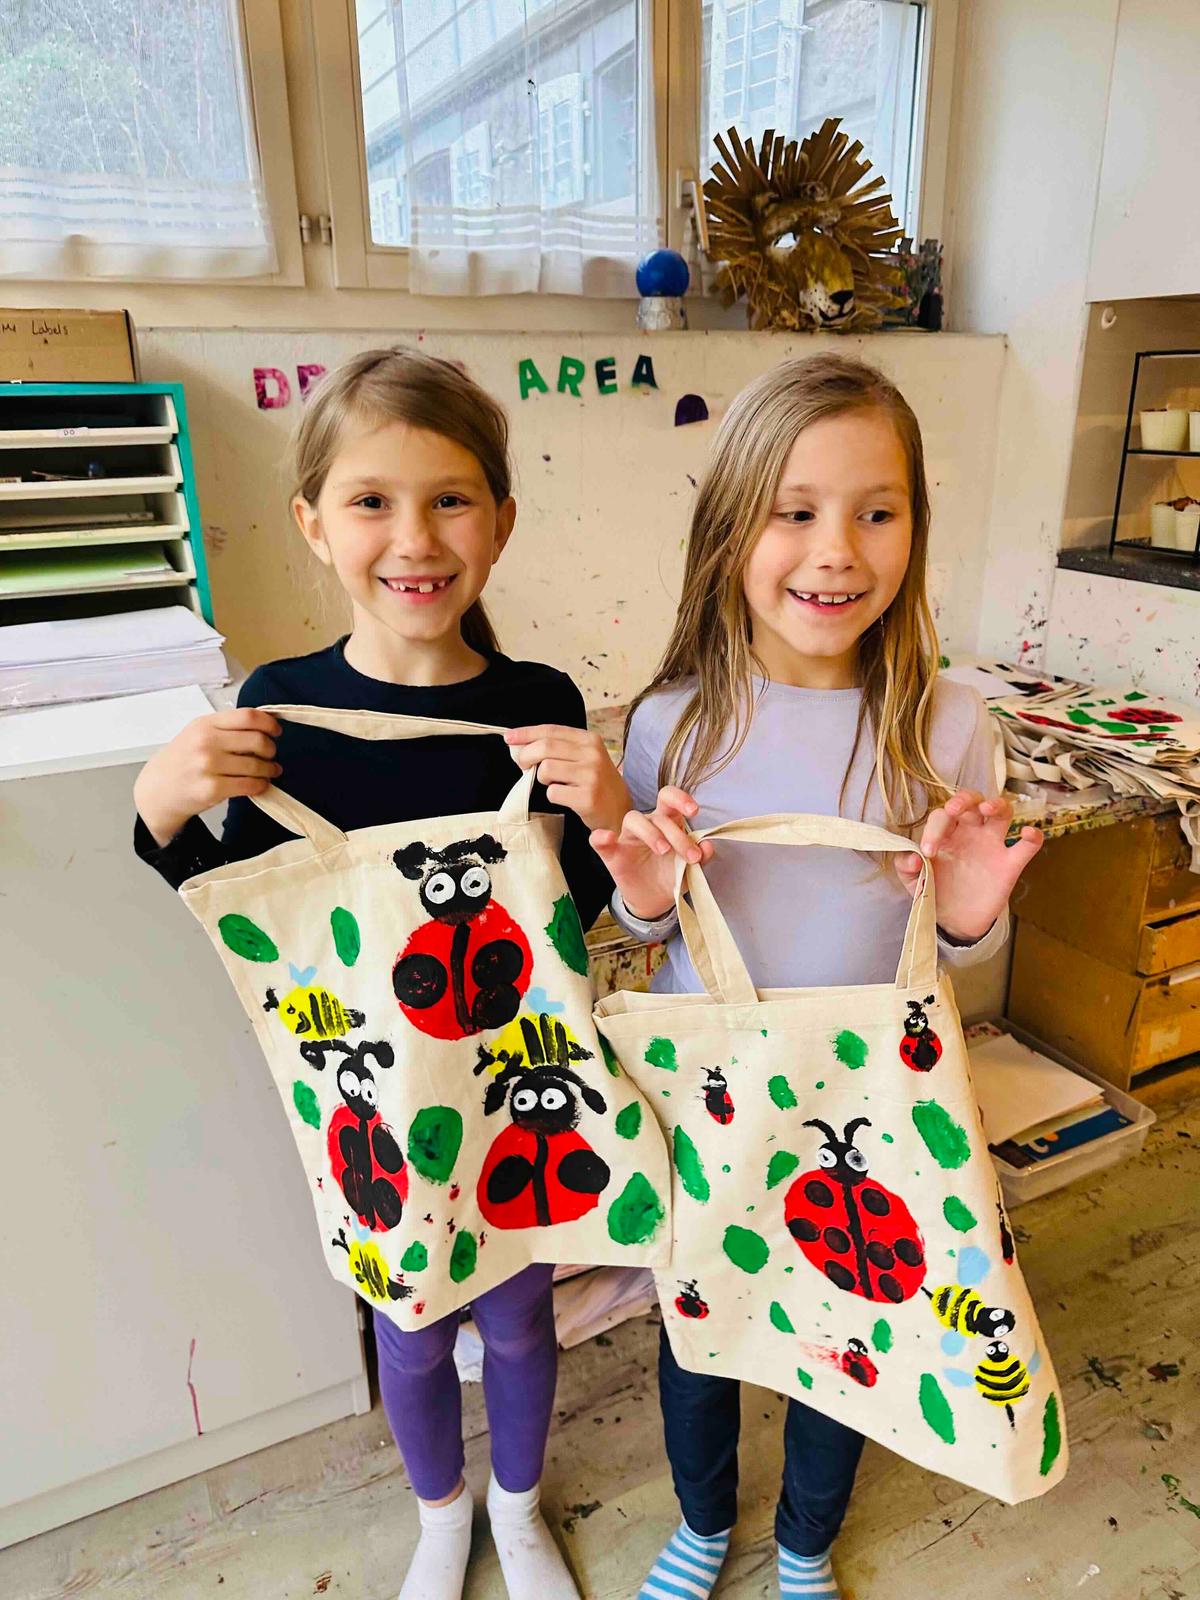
(128, 143)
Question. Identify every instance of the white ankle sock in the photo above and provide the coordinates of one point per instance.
(439, 1563)
(530, 1560)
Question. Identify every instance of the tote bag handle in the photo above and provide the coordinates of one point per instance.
(710, 944)
(322, 835)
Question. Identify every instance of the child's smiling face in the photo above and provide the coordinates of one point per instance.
(407, 520)
(834, 550)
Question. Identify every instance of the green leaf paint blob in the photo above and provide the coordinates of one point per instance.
(637, 1213)
(745, 1248)
(945, 1140)
(464, 1256)
(957, 1214)
(781, 1165)
(610, 1060)
(690, 1167)
(1051, 1434)
(780, 1091)
(850, 1049)
(881, 1336)
(935, 1408)
(661, 1053)
(804, 1377)
(305, 1102)
(415, 1258)
(566, 935)
(887, 1138)
(780, 1318)
(347, 940)
(434, 1140)
(629, 1121)
(246, 938)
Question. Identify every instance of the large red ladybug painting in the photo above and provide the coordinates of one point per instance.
(467, 968)
(858, 1234)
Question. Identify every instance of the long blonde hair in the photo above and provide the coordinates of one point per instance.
(897, 658)
(398, 385)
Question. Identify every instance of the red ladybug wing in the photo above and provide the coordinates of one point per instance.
(494, 923)
(343, 1117)
(813, 1205)
(566, 1205)
(921, 1051)
(519, 1212)
(433, 940)
(894, 1248)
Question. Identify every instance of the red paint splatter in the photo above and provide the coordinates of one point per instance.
(455, 1191)
(192, 1389)
(419, 1308)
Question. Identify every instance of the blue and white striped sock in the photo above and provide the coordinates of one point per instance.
(806, 1577)
(687, 1567)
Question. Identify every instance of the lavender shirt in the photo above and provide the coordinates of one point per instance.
(816, 916)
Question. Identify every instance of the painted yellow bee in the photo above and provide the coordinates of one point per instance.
(962, 1311)
(312, 1012)
(531, 1041)
(1002, 1378)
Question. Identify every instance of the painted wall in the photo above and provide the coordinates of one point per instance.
(604, 482)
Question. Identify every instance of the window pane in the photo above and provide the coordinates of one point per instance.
(811, 59)
(483, 104)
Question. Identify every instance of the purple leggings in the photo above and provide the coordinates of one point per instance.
(421, 1394)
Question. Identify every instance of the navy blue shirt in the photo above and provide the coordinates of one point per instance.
(362, 783)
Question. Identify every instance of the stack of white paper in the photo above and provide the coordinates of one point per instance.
(91, 658)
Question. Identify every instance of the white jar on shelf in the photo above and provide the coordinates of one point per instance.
(1165, 429)
(1194, 431)
(1187, 526)
(1163, 517)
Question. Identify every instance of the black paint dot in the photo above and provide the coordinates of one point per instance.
(879, 1255)
(891, 1288)
(840, 1275)
(875, 1201)
(909, 1252)
(802, 1228)
(820, 1194)
(837, 1240)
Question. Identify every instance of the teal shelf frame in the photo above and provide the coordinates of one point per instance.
(183, 443)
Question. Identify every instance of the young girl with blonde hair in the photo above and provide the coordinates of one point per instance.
(801, 676)
(403, 489)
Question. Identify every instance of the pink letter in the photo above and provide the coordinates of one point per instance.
(266, 400)
(307, 375)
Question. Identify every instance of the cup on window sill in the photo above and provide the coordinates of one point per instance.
(1165, 429)
(1163, 517)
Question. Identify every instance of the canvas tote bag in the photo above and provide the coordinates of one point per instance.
(420, 991)
(839, 1233)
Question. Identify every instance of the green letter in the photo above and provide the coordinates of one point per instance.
(570, 372)
(606, 375)
(530, 378)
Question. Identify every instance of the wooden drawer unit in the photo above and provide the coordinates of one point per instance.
(1106, 961)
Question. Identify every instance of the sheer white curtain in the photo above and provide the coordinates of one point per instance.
(510, 143)
(127, 143)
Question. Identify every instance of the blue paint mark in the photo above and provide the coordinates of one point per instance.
(539, 1001)
(957, 1377)
(302, 976)
(953, 1343)
(973, 1266)
(1035, 1362)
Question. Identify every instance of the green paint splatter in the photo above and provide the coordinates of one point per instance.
(745, 1248)
(850, 1049)
(661, 1053)
(781, 1165)
(820, 1083)
(629, 1121)
(780, 1091)
(347, 940)
(464, 1256)
(881, 1336)
(690, 1167)
(610, 1060)
(935, 1408)
(1173, 1494)
(246, 938)
(434, 1140)
(726, 1169)
(637, 1213)
(945, 1140)
(764, 1032)
(805, 1377)
(1051, 1434)
(780, 1318)
(415, 1258)
(887, 1138)
(957, 1215)
(566, 935)
(305, 1102)
(943, 662)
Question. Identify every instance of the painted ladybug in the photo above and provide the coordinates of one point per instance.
(366, 1160)
(1141, 715)
(857, 1233)
(688, 1302)
(920, 1047)
(717, 1100)
(540, 1170)
(467, 969)
(857, 1364)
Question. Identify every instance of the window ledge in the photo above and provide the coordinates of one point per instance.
(1137, 565)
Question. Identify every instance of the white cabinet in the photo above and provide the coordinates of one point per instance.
(166, 1304)
(1146, 239)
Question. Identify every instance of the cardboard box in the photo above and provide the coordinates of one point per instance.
(67, 347)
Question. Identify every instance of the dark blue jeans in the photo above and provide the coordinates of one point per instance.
(702, 1419)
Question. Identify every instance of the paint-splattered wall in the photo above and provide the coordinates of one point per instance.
(604, 480)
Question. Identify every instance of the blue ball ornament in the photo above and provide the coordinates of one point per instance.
(663, 273)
